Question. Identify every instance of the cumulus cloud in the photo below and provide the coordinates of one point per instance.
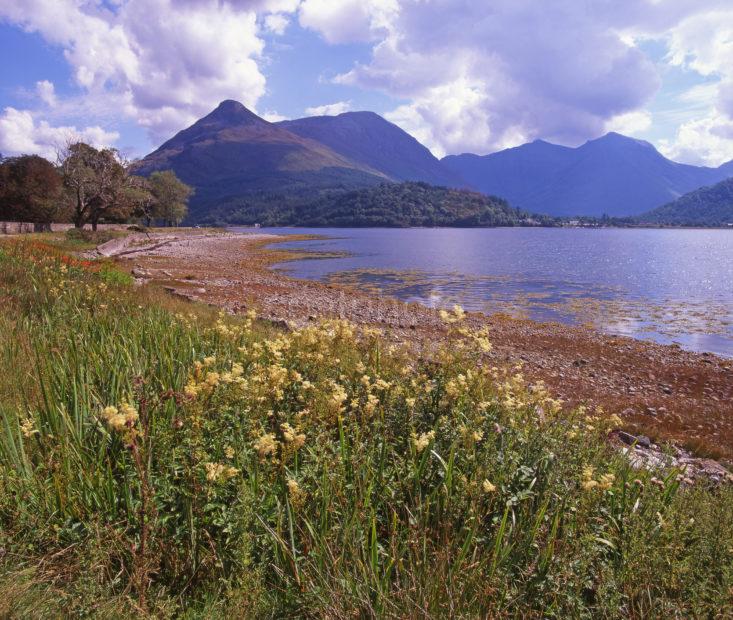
(329, 109)
(346, 21)
(20, 134)
(46, 92)
(480, 76)
(165, 63)
(630, 123)
(706, 141)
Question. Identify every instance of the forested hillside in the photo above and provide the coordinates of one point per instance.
(395, 205)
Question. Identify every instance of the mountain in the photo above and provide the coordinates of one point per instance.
(391, 205)
(613, 175)
(707, 206)
(232, 155)
(368, 139)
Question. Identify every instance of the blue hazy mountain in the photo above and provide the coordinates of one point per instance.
(614, 174)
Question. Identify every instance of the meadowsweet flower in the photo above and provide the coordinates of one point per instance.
(27, 428)
(410, 402)
(229, 452)
(296, 494)
(589, 485)
(291, 436)
(488, 487)
(191, 389)
(212, 379)
(209, 361)
(606, 481)
(266, 445)
(219, 471)
(423, 441)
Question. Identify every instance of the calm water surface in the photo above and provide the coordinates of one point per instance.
(664, 285)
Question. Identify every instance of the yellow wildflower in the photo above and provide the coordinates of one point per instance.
(488, 487)
(266, 445)
(423, 441)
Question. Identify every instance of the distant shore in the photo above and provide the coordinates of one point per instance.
(659, 390)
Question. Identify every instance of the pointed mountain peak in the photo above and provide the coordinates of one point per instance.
(230, 112)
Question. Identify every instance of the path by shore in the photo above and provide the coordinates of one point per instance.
(659, 390)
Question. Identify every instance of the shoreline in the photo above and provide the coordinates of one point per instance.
(661, 391)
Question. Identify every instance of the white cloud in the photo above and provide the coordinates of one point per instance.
(20, 134)
(480, 76)
(164, 63)
(46, 92)
(329, 109)
(346, 21)
(707, 141)
(274, 117)
(277, 23)
(630, 123)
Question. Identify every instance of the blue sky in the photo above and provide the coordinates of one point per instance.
(459, 75)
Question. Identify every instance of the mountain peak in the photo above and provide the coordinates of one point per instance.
(613, 137)
(231, 112)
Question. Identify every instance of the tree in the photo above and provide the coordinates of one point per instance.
(97, 181)
(142, 201)
(30, 190)
(171, 196)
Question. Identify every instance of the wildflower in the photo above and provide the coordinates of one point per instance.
(606, 481)
(297, 495)
(192, 389)
(266, 445)
(27, 428)
(423, 441)
(589, 485)
(291, 436)
(218, 471)
(229, 452)
(212, 379)
(488, 487)
(410, 402)
(209, 361)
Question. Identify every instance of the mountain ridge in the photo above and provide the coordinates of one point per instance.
(235, 159)
(613, 174)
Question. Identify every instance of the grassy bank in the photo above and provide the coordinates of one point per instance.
(158, 459)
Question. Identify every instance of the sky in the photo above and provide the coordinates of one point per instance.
(460, 75)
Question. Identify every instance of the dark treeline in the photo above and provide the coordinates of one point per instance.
(87, 186)
(390, 205)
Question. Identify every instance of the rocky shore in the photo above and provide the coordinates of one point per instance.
(662, 392)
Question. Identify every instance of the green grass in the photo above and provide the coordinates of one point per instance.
(157, 459)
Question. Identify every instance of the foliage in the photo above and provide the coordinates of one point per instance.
(707, 206)
(170, 197)
(397, 205)
(96, 181)
(162, 462)
(30, 190)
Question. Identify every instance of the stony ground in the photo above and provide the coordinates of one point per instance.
(662, 392)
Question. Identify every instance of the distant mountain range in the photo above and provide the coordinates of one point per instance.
(613, 175)
(707, 206)
(239, 162)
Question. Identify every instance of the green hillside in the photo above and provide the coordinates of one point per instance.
(707, 206)
(394, 205)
